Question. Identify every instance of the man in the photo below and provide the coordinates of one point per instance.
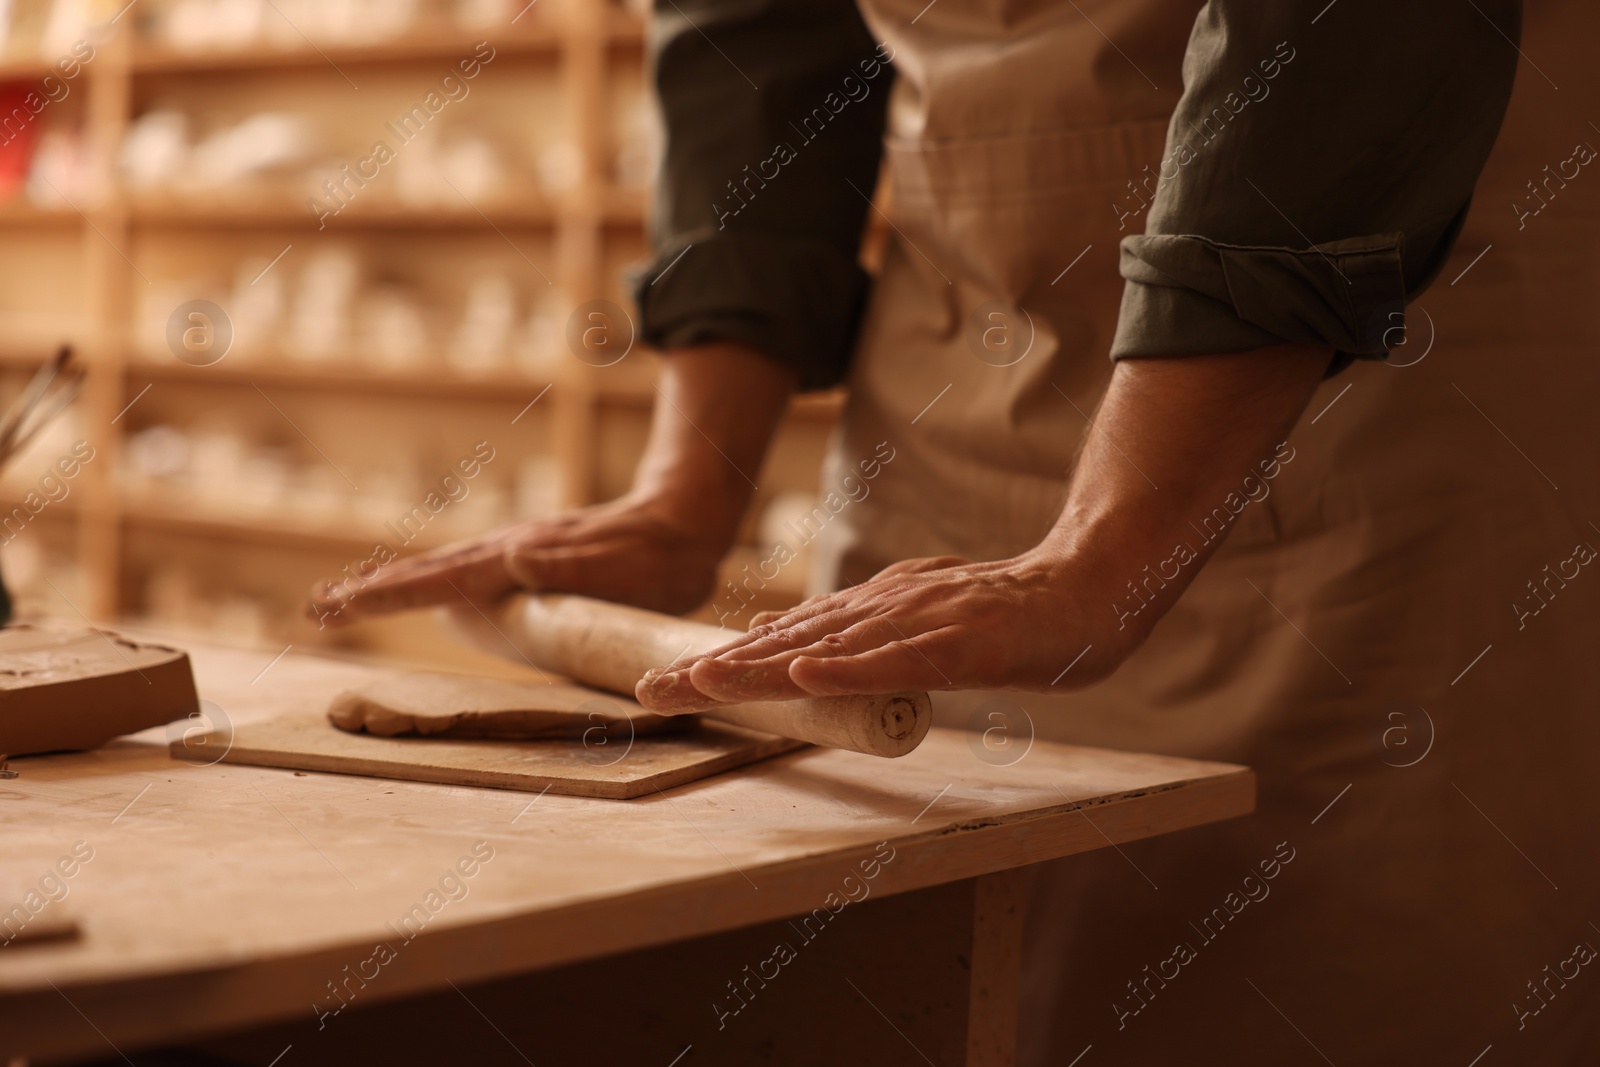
(1384, 606)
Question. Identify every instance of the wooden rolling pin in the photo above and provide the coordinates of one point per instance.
(611, 646)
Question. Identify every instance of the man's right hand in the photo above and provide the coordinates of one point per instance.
(631, 551)
(717, 406)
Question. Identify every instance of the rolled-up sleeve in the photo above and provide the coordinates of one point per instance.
(1318, 168)
(773, 112)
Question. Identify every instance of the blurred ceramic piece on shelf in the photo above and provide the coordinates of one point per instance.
(265, 474)
(320, 496)
(344, 22)
(282, 30)
(188, 25)
(256, 307)
(541, 343)
(380, 20)
(542, 339)
(254, 146)
(199, 25)
(156, 303)
(319, 328)
(158, 454)
(487, 14)
(470, 168)
(237, 23)
(481, 340)
(155, 148)
(68, 24)
(457, 172)
(384, 495)
(217, 463)
(179, 596)
(393, 328)
(60, 177)
(416, 170)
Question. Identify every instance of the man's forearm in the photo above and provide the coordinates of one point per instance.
(1173, 441)
(717, 408)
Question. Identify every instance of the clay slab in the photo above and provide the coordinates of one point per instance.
(63, 690)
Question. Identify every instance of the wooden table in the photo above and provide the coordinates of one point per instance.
(251, 909)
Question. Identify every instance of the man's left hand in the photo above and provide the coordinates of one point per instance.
(1029, 623)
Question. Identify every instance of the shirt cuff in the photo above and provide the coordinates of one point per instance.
(794, 299)
(1188, 295)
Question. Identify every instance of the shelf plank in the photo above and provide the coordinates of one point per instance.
(154, 57)
(825, 406)
(507, 388)
(20, 212)
(534, 39)
(331, 536)
(20, 68)
(503, 387)
(218, 208)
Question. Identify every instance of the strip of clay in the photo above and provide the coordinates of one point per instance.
(457, 706)
(65, 690)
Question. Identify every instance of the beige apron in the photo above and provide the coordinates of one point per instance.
(1427, 807)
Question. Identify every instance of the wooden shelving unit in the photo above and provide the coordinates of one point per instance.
(113, 241)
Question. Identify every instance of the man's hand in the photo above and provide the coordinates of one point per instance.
(658, 547)
(631, 551)
(1173, 439)
(944, 623)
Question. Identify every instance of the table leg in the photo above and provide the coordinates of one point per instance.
(997, 912)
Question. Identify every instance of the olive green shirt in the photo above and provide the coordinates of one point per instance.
(1332, 201)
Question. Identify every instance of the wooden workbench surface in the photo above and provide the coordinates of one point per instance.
(222, 895)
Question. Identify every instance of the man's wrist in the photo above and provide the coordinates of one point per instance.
(717, 406)
(1201, 429)
(1095, 577)
(705, 510)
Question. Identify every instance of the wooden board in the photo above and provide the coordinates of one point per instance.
(308, 742)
